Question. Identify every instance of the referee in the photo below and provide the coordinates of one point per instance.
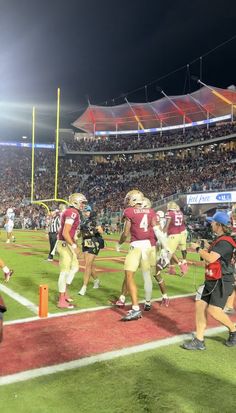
(53, 228)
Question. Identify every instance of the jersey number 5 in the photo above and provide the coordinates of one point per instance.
(178, 220)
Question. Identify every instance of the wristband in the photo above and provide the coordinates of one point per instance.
(74, 246)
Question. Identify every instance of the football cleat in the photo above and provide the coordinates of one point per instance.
(65, 304)
(147, 306)
(82, 291)
(68, 298)
(120, 303)
(7, 275)
(165, 302)
(132, 315)
(184, 268)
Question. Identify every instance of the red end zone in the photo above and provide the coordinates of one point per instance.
(57, 340)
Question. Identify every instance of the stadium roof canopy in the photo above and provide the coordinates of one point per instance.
(171, 112)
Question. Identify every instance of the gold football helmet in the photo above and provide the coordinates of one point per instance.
(133, 197)
(77, 200)
(146, 203)
(172, 206)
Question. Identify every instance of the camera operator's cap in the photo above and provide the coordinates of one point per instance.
(88, 208)
(220, 217)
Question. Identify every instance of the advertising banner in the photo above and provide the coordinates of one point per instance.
(211, 198)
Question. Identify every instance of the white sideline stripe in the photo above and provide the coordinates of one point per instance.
(17, 297)
(84, 310)
(86, 361)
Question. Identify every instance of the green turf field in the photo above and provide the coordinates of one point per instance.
(28, 258)
(167, 378)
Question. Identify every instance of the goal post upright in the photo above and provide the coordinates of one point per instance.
(57, 143)
(42, 202)
(32, 160)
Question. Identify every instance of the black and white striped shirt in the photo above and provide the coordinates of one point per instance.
(54, 224)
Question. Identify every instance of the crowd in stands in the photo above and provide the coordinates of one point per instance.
(148, 141)
(201, 168)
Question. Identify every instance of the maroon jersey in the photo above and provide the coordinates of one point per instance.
(70, 216)
(141, 223)
(176, 225)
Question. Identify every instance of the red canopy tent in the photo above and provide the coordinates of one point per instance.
(204, 105)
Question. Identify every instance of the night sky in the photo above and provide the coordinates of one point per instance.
(102, 50)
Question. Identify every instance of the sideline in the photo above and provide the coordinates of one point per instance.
(86, 361)
(19, 298)
(72, 312)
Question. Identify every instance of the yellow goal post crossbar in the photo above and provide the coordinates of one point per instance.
(41, 204)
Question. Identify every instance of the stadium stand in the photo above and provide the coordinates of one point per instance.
(106, 178)
(146, 141)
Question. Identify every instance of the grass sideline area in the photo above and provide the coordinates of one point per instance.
(165, 378)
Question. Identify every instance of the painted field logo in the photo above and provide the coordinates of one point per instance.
(225, 197)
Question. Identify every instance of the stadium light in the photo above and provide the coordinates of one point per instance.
(24, 137)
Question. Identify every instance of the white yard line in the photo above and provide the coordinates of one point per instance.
(19, 298)
(71, 312)
(86, 361)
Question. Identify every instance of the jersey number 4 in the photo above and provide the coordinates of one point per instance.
(144, 223)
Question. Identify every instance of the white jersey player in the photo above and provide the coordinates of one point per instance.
(9, 225)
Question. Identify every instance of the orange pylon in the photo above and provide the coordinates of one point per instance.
(43, 300)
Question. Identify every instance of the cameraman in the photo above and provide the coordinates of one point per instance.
(219, 281)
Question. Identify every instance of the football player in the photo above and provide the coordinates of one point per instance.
(6, 271)
(161, 219)
(145, 271)
(91, 245)
(9, 225)
(177, 236)
(158, 238)
(67, 247)
(139, 223)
